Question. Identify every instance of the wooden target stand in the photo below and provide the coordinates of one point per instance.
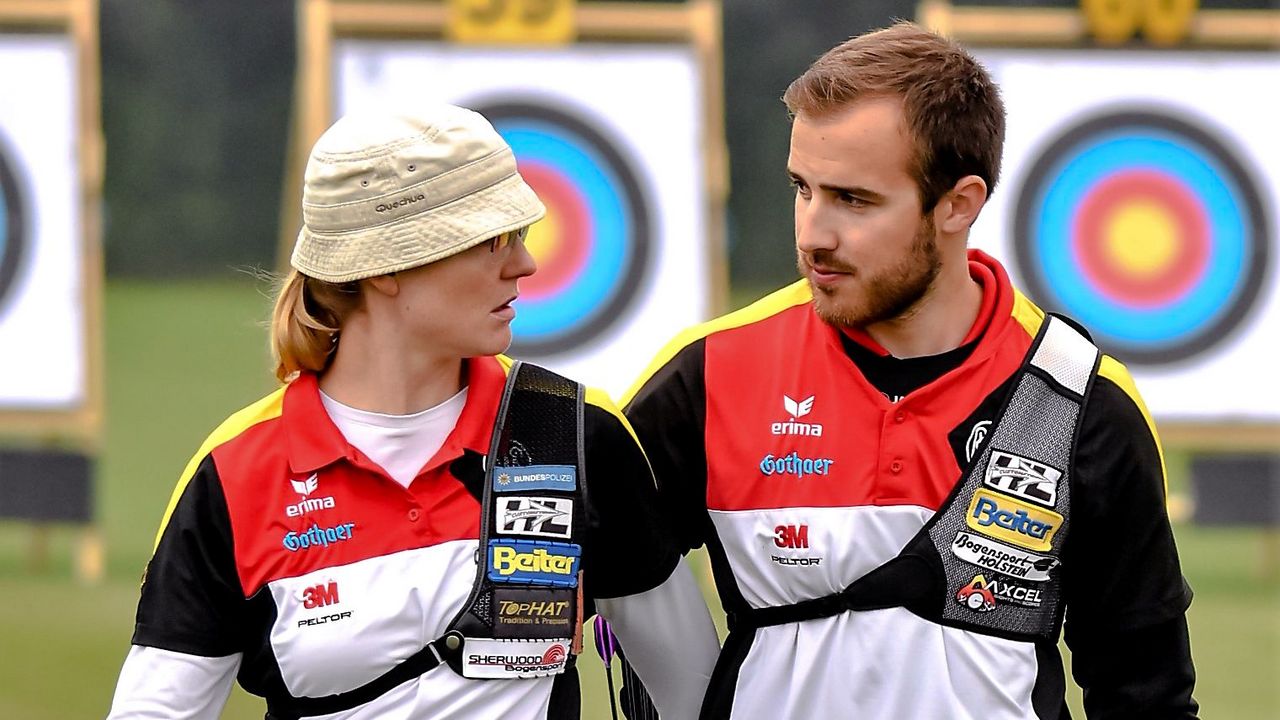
(695, 23)
(48, 452)
(1244, 455)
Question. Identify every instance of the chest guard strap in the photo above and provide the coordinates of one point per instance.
(524, 615)
(988, 560)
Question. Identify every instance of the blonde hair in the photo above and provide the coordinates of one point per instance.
(306, 321)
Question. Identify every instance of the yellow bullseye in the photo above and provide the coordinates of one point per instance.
(1141, 239)
(541, 240)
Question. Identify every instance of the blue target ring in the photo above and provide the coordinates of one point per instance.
(13, 239)
(595, 242)
(1148, 230)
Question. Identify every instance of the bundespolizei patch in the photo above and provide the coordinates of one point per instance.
(563, 478)
(534, 562)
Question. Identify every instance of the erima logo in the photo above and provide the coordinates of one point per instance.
(1012, 521)
(307, 504)
(1023, 477)
(797, 409)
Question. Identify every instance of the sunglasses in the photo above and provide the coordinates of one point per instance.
(499, 242)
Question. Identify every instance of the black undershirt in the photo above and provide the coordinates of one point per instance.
(896, 377)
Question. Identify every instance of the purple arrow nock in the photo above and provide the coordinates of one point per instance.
(606, 643)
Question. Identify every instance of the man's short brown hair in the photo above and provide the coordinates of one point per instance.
(953, 110)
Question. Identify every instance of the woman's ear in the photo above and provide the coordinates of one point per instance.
(388, 284)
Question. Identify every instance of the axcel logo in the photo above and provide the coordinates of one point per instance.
(307, 503)
(797, 409)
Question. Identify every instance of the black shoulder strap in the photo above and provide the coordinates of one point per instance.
(1030, 448)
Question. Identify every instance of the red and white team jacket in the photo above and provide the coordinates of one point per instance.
(287, 545)
(772, 448)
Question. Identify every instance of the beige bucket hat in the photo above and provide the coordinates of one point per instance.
(391, 191)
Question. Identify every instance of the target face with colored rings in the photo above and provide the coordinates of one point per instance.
(12, 239)
(593, 245)
(1145, 228)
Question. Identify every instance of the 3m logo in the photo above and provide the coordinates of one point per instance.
(796, 409)
(791, 536)
(307, 504)
(1023, 477)
(1012, 521)
(320, 596)
(542, 517)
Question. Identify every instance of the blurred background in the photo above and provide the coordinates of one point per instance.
(150, 158)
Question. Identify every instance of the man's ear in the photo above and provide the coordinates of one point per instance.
(959, 208)
(387, 285)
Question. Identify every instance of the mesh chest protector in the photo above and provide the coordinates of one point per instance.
(988, 560)
(524, 615)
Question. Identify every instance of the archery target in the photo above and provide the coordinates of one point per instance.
(612, 138)
(592, 247)
(1140, 196)
(12, 227)
(43, 297)
(1147, 229)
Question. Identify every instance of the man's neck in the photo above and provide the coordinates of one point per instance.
(939, 322)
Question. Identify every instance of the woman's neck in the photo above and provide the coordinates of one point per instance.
(380, 372)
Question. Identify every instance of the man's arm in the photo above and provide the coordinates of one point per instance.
(1126, 601)
(668, 409)
(632, 570)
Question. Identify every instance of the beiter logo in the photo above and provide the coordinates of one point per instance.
(797, 409)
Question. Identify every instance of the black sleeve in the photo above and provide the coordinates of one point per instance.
(669, 414)
(1126, 598)
(191, 596)
(627, 551)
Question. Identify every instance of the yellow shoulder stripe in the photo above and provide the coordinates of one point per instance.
(264, 409)
(797, 293)
(1027, 314)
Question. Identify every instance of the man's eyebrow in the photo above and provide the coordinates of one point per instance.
(856, 191)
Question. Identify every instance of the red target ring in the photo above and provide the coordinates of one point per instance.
(1152, 205)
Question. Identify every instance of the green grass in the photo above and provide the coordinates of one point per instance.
(180, 359)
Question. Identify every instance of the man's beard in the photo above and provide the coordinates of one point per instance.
(889, 295)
